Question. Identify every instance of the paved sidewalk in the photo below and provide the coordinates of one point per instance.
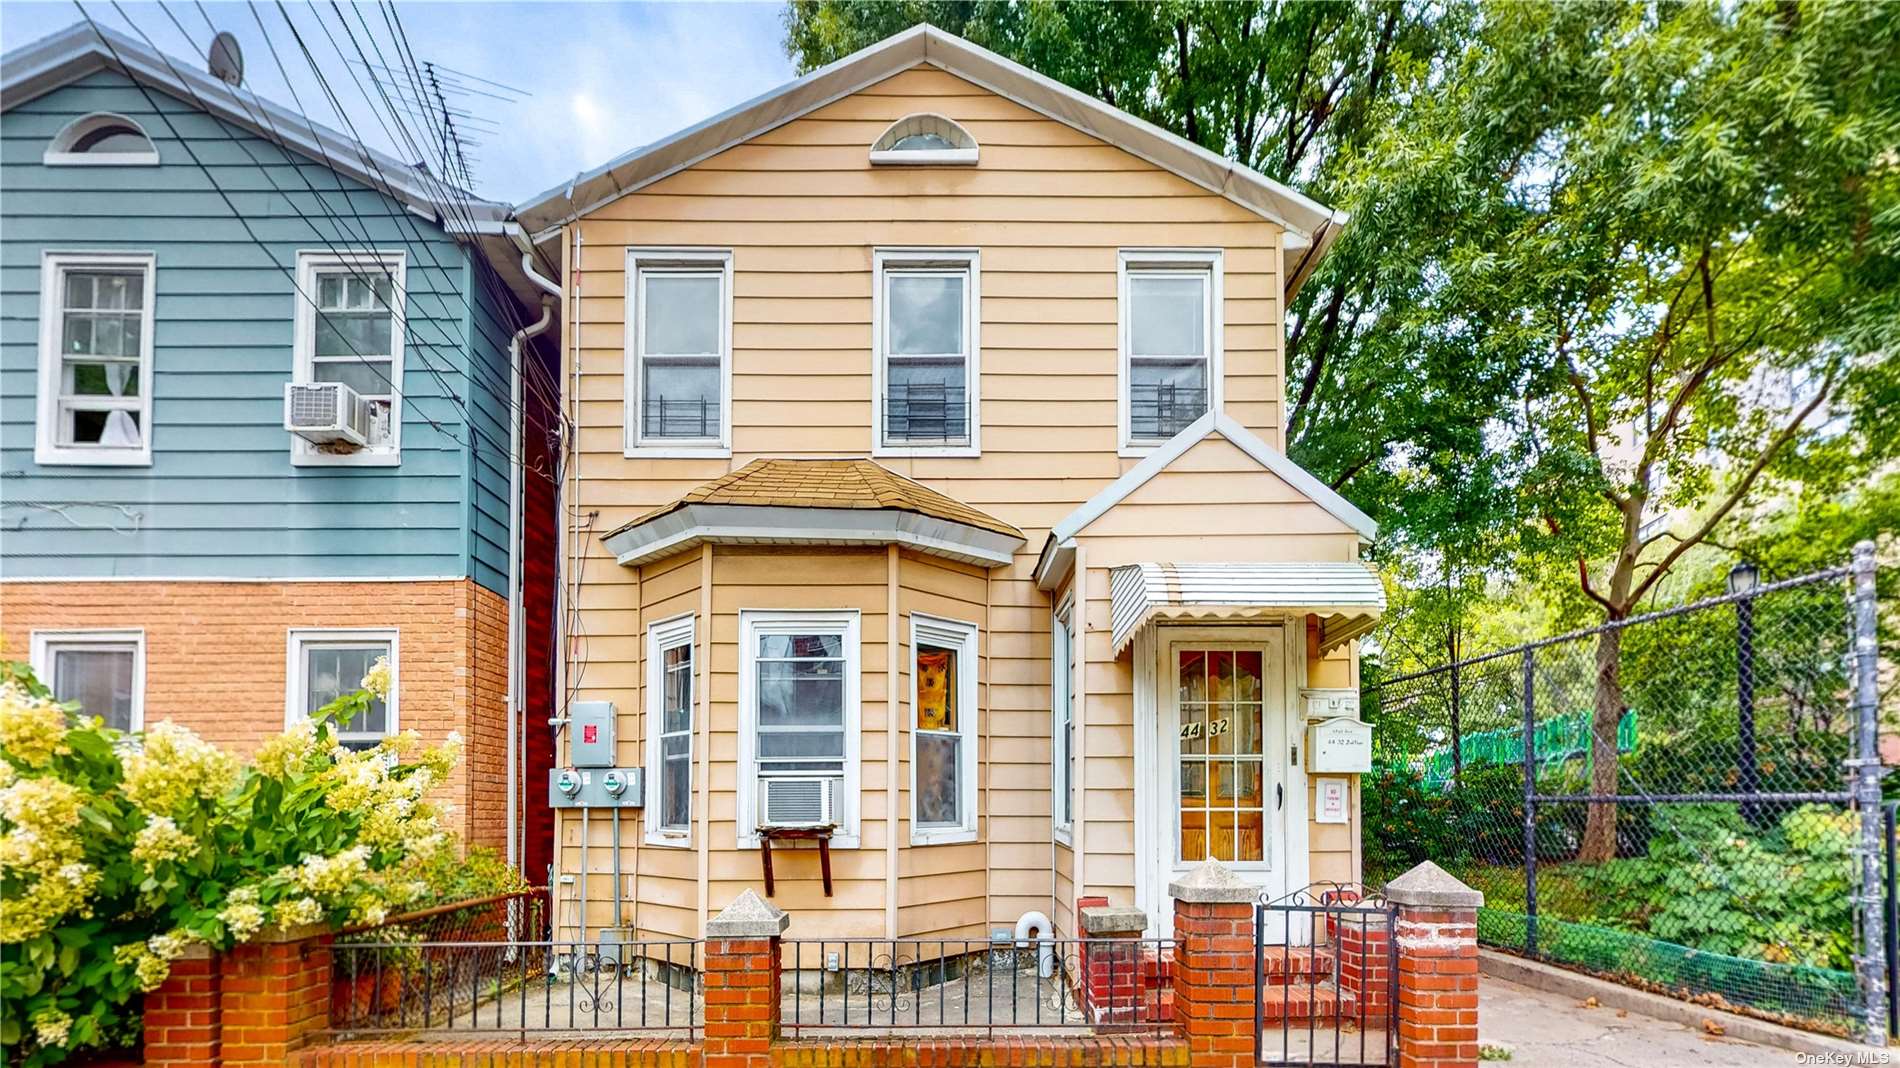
(1545, 1030)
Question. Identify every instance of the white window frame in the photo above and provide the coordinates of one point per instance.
(47, 642)
(958, 637)
(662, 637)
(309, 264)
(59, 151)
(1062, 723)
(634, 444)
(969, 261)
(294, 676)
(53, 267)
(1167, 261)
(752, 624)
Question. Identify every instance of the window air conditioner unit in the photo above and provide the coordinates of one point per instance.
(326, 413)
(798, 802)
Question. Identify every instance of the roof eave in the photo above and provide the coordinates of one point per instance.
(766, 524)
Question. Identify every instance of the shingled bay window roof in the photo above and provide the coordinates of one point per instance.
(817, 502)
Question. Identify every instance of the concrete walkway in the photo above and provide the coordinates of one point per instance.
(1546, 1030)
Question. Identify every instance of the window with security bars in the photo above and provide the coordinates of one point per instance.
(96, 359)
(680, 339)
(926, 345)
(1169, 339)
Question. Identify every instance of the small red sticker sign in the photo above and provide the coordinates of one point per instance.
(590, 734)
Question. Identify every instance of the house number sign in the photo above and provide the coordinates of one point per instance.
(1212, 729)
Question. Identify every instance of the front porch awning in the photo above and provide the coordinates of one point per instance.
(1346, 596)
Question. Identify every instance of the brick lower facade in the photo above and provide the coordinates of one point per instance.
(216, 656)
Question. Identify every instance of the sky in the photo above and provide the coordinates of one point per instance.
(603, 77)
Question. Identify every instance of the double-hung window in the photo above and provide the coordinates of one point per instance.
(95, 373)
(1170, 340)
(798, 709)
(927, 351)
(349, 329)
(1062, 724)
(943, 731)
(669, 812)
(679, 348)
(327, 664)
(102, 670)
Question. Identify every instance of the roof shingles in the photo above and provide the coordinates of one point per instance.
(788, 483)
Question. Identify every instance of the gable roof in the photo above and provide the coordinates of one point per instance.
(53, 62)
(826, 502)
(1314, 225)
(1177, 446)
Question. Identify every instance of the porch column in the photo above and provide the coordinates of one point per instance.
(1123, 983)
(742, 982)
(1437, 935)
(1214, 962)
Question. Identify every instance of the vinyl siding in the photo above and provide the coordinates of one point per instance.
(802, 210)
(221, 497)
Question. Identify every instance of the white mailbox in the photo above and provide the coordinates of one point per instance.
(1329, 703)
(1339, 746)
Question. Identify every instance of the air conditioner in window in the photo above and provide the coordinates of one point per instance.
(326, 413)
(788, 801)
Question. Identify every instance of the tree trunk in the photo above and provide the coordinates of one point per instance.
(1599, 829)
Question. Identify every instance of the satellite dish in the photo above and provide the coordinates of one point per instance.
(226, 59)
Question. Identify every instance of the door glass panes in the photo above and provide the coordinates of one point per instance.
(101, 344)
(676, 738)
(680, 321)
(800, 687)
(1168, 352)
(356, 333)
(1219, 756)
(926, 351)
(100, 677)
(332, 669)
(938, 737)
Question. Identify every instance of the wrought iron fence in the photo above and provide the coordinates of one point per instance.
(1325, 979)
(975, 985)
(488, 966)
(1673, 800)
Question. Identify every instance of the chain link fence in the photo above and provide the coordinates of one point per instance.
(1670, 801)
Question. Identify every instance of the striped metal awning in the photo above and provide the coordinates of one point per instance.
(1347, 596)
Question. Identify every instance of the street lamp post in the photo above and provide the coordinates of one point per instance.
(1742, 580)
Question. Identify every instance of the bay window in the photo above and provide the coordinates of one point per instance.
(943, 736)
(670, 695)
(798, 710)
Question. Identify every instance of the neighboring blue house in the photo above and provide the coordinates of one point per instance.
(178, 259)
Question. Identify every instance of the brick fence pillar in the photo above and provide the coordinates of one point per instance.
(181, 1016)
(1214, 962)
(1437, 935)
(274, 995)
(1118, 981)
(742, 982)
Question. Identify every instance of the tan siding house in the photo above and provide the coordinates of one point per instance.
(875, 383)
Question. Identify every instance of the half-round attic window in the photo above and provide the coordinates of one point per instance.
(101, 139)
(924, 140)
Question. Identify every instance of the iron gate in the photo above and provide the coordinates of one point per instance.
(1326, 971)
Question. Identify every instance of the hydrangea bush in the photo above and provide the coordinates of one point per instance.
(119, 853)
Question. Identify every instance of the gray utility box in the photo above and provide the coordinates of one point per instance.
(590, 734)
(597, 787)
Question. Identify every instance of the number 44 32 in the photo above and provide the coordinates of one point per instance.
(1212, 729)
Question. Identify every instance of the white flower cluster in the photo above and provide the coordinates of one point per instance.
(161, 842)
(32, 729)
(40, 845)
(176, 768)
